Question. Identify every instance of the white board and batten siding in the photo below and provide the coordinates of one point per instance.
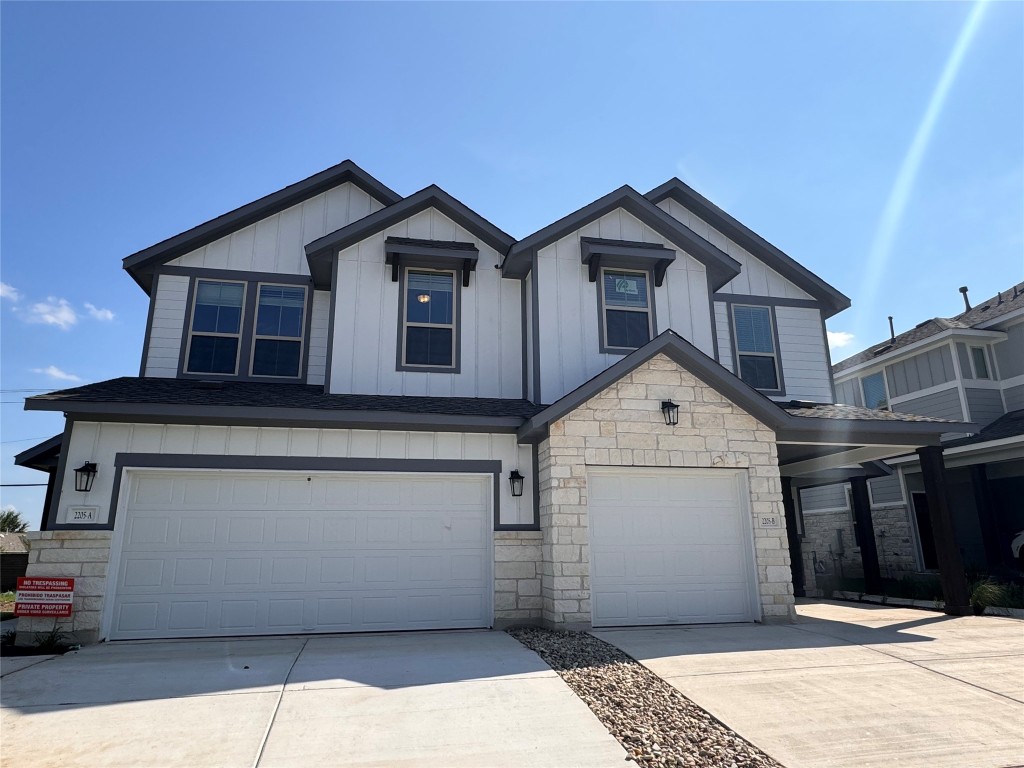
(316, 368)
(276, 243)
(366, 318)
(101, 442)
(569, 330)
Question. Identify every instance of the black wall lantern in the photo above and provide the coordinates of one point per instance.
(515, 480)
(670, 411)
(84, 476)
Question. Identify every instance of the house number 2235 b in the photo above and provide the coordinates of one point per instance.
(768, 521)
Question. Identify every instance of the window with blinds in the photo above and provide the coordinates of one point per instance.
(756, 355)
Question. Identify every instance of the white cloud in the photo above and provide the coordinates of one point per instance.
(839, 339)
(56, 373)
(99, 314)
(53, 311)
(9, 292)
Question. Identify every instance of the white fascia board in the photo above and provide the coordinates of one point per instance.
(944, 337)
(1006, 442)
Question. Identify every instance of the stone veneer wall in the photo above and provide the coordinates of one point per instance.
(893, 539)
(624, 426)
(517, 577)
(82, 555)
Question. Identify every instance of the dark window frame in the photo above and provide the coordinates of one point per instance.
(776, 354)
(456, 324)
(302, 338)
(602, 309)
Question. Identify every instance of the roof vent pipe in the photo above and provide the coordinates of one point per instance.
(999, 296)
(892, 331)
(963, 290)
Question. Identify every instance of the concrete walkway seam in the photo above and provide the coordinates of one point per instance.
(277, 706)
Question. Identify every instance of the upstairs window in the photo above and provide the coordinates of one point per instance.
(216, 327)
(429, 321)
(980, 363)
(755, 347)
(875, 395)
(625, 310)
(277, 341)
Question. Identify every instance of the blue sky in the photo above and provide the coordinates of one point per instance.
(822, 126)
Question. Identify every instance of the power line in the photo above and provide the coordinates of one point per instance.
(24, 439)
(21, 485)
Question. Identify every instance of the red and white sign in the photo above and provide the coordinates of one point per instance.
(41, 596)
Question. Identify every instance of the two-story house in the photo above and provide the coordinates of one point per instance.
(360, 411)
(969, 367)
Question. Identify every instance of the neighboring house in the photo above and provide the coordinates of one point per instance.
(13, 559)
(359, 411)
(969, 368)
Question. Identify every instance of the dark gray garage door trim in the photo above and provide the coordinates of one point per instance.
(297, 464)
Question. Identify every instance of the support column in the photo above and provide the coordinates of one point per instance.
(988, 519)
(951, 564)
(866, 534)
(796, 559)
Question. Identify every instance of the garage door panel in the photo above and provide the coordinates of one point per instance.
(244, 571)
(683, 556)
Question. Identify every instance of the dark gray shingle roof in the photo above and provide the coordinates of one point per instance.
(984, 312)
(135, 390)
(1008, 425)
(830, 411)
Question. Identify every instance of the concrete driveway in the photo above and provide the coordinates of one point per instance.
(854, 686)
(448, 698)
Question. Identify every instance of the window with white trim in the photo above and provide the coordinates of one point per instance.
(277, 337)
(625, 309)
(757, 358)
(875, 393)
(979, 361)
(216, 329)
(429, 321)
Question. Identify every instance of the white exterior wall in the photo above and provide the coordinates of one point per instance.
(101, 442)
(756, 278)
(569, 331)
(316, 369)
(366, 318)
(723, 336)
(803, 354)
(275, 244)
(165, 332)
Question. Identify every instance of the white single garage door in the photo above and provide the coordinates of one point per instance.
(670, 546)
(212, 553)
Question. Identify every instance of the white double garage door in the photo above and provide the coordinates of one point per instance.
(225, 553)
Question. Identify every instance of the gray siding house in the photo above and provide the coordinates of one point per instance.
(970, 368)
(362, 411)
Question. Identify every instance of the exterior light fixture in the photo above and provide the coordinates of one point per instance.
(670, 411)
(423, 298)
(515, 480)
(84, 476)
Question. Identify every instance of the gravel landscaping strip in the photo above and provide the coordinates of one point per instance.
(656, 724)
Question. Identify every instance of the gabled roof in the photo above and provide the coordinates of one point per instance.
(721, 267)
(795, 421)
(42, 456)
(320, 252)
(140, 265)
(832, 301)
(982, 314)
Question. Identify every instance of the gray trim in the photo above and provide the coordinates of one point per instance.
(789, 428)
(239, 275)
(30, 457)
(720, 266)
(828, 358)
(524, 331)
(149, 324)
(689, 198)
(714, 324)
(50, 514)
(596, 253)
(456, 331)
(124, 461)
(781, 390)
(601, 309)
(252, 281)
(767, 301)
(431, 197)
(329, 370)
(535, 468)
(433, 254)
(140, 264)
(276, 416)
(535, 287)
